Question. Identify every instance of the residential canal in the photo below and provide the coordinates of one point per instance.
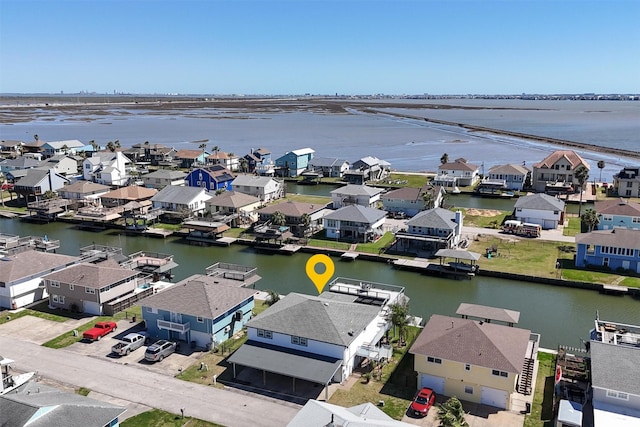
(561, 315)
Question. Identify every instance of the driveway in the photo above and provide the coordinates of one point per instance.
(37, 330)
(477, 416)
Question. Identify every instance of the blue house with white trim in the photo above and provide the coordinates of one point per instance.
(617, 248)
(294, 162)
(202, 309)
(618, 213)
(215, 177)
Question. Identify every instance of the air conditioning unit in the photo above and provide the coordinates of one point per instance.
(227, 329)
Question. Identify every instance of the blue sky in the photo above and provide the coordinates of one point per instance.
(320, 47)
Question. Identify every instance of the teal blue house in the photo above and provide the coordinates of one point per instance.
(294, 162)
(201, 310)
(618, 213)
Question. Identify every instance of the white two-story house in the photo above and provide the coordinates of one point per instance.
(108, 168)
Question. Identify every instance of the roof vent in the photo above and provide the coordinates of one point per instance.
(350, 332)
(326, 304)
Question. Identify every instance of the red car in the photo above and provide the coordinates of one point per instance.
(99, 330)
(423, 401)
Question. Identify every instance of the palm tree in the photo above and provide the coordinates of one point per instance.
(94, 145)
(427, 197)
(272, 297)
(278, 218)
(36, 137)
(601, 166)
(590, 219)
(65, 148)
(305, 220)
(399, 317)
(111, 146)
(451, 414)
(581, 174)
(244, 163)
(2, 181)
(444, 159)
(117, 143)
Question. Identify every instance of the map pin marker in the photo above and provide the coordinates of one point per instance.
(320, 279)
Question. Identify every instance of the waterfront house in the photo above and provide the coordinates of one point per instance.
(36, 182)
(83, 190)
(329, 166)
(190, 158)
(265, 188)
(37, 404)
(351, 194)
(316, 413)
(461, 172)
(554, 174)
(34, 148)
(256, 159)
(431, 230)
(212, 178)
(228, 160)
(128, 194)
(108, 168)
(475, 360)
(20, 163)
(513, 176)
(621, 213)
(354, 222)
(542, 209)
(182, 200)
(411, 200)
(163, 177)
(615, 377)
(55, 148)
(10, 148)
(61, 164)
(201, 309)
(618, 248)
(368, 168)
(21, 276)
(626, 183)
(293, 163)
(241, 207)
(87, 288)
(299, 216)
(320, 339)
(159, 155)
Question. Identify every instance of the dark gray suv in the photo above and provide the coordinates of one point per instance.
(159, 350)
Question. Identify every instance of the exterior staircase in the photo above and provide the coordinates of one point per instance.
(526, 378)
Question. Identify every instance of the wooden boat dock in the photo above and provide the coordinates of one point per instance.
(416, 264)
(157, 232)
(290, 249)
(349, 256)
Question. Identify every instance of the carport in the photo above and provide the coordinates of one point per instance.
(288, 362)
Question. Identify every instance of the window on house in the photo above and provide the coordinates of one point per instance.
(629, 184)
(434, 360)
(199, 319)
(468, 389)
(617, 395)
(90, 290)
(59, 299)
(265, 334)
(607, 217)
(71, 287)
(299, 341)
(498, 373)
(54, 284)
(467, 367)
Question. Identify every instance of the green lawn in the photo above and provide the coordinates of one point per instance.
(158, 418)
(484, 221)
(403, 180)
(329, 244)
(375, 247)
(542, 407)
(303, 198)
(573, 227)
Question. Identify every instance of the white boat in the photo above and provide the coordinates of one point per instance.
(11, 382)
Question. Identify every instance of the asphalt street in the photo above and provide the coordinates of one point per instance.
(141, 387)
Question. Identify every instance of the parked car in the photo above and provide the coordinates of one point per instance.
(159, 350)
(423, 401)
(128, 343)
(99, 330)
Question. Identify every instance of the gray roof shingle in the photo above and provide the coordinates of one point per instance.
(357, 213)
(615, 367)
(542, 202)
(91, 275)
(618, 237)
(438, 218)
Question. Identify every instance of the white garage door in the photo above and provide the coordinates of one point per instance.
(434, 383)
(91, 307)
(493, 397)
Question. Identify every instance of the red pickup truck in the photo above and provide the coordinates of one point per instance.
(99, 330)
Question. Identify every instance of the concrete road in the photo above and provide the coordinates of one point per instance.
(142, 387)
(551, 235)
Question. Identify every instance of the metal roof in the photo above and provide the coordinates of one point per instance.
(458, 254)
(486, 312)
(286, 361)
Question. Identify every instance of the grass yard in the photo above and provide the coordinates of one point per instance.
(329, 244)
(6, 316)
(573, 227)
(375, 247)
(396, 385)
(403, 180)
(158, 418)
(483, 218)
(303, 198)
(542, 407)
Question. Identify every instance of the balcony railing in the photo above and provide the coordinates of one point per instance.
(173, 326)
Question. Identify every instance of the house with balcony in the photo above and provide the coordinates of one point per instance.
(265, 188)
(626, 183)
(36, 182)
(163, 177)
(131, 193)
(159, 155)
(188, 159)
(21, 273)
(554, 174)
(299, 217)
(285, 339)
(83, 190)
(479, 361)
(618, 248)
(108, 168)
(228, 160)
(88, 288)
(329, 166)
(354, 222)
(542, 209)
(19, 163)
(182, 200)
(615, 380)
(241, 207)
(621, 213)
(410, 200)
(458, 173)
(351, 194)
(513, 176)
(256, 159)
(63, 164)
(293, 163)
(56, 148)
(430, 231)
(368, 168)
(10, 148)
(212, 178)
(204, 310)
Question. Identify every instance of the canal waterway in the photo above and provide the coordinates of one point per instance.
(561, 315)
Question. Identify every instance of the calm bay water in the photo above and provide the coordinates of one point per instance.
(560, 315)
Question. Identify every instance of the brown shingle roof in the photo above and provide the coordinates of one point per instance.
(618, 237)
(91, 275)
(572, 157)
(188, 154)
(477, 343)
(28, 263)
(619, 206)
(458, 166)
(132, 192)
(292, 209)
(232, 199)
